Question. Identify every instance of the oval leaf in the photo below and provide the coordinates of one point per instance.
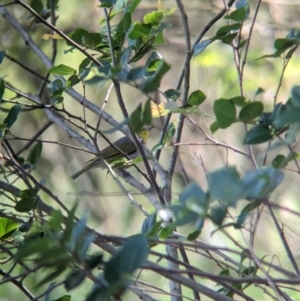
(258, 134)
(196, 98)
(62, 70)
(225, 112)
(251, 111)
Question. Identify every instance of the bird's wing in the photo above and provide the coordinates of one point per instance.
(124, 143)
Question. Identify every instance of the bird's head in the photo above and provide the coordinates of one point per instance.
(144, 133)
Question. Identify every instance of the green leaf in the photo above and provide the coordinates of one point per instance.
(199, 47)
(283, 43)
(2, 56)
(260, 183)
(159, 40)
(214, 127)
(224, 186)
(84, 64)
(129, 258)
(56, 85)
(242, 43)
(285, 115)
(246, 210)
(12, 115)
(157, 147)
(108, 3)
(140, 30)
(51, 276)
(167, 231)
(63, 298)
(192, 192)
(74, 279)
(217, 214)
(135, 119)
(152, 82)
(153, 18)
(93, 261)
(194, 235)
(62, 70)
(132, 5)
(2, 88)
(258, 134)
(35, 153)
(239, 101)
(295, 100)
(147, 115)
(72, 81)
(172, 94)
(77, 35)
(171, 130)
(57, 97)
(37, 6)
(227, 29)
(136, 73)
(239, 15)
(251, 111)
(7, 227)
(259, 91)
(225, 112)
(92, 40)
(280, 161)
(124, 24)
(148, 224)
(196, 98)
(25, 205)
(229, 38)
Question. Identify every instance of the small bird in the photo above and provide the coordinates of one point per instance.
(113, 156)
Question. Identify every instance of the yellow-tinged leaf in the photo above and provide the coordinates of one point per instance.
(54, 36)
(160, 6)
(158, 110)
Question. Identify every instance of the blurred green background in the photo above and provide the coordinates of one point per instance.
(213, 72)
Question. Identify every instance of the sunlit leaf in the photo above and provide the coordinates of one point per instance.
(62, 70)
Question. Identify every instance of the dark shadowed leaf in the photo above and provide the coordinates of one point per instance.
(12, 115)
(258, 134)
(74, 279)
(92, 40)
(280, 161)
(63, 298)
(2, 56)
(129, 258)
(246, 210)
(2, 88)
(217, 214)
